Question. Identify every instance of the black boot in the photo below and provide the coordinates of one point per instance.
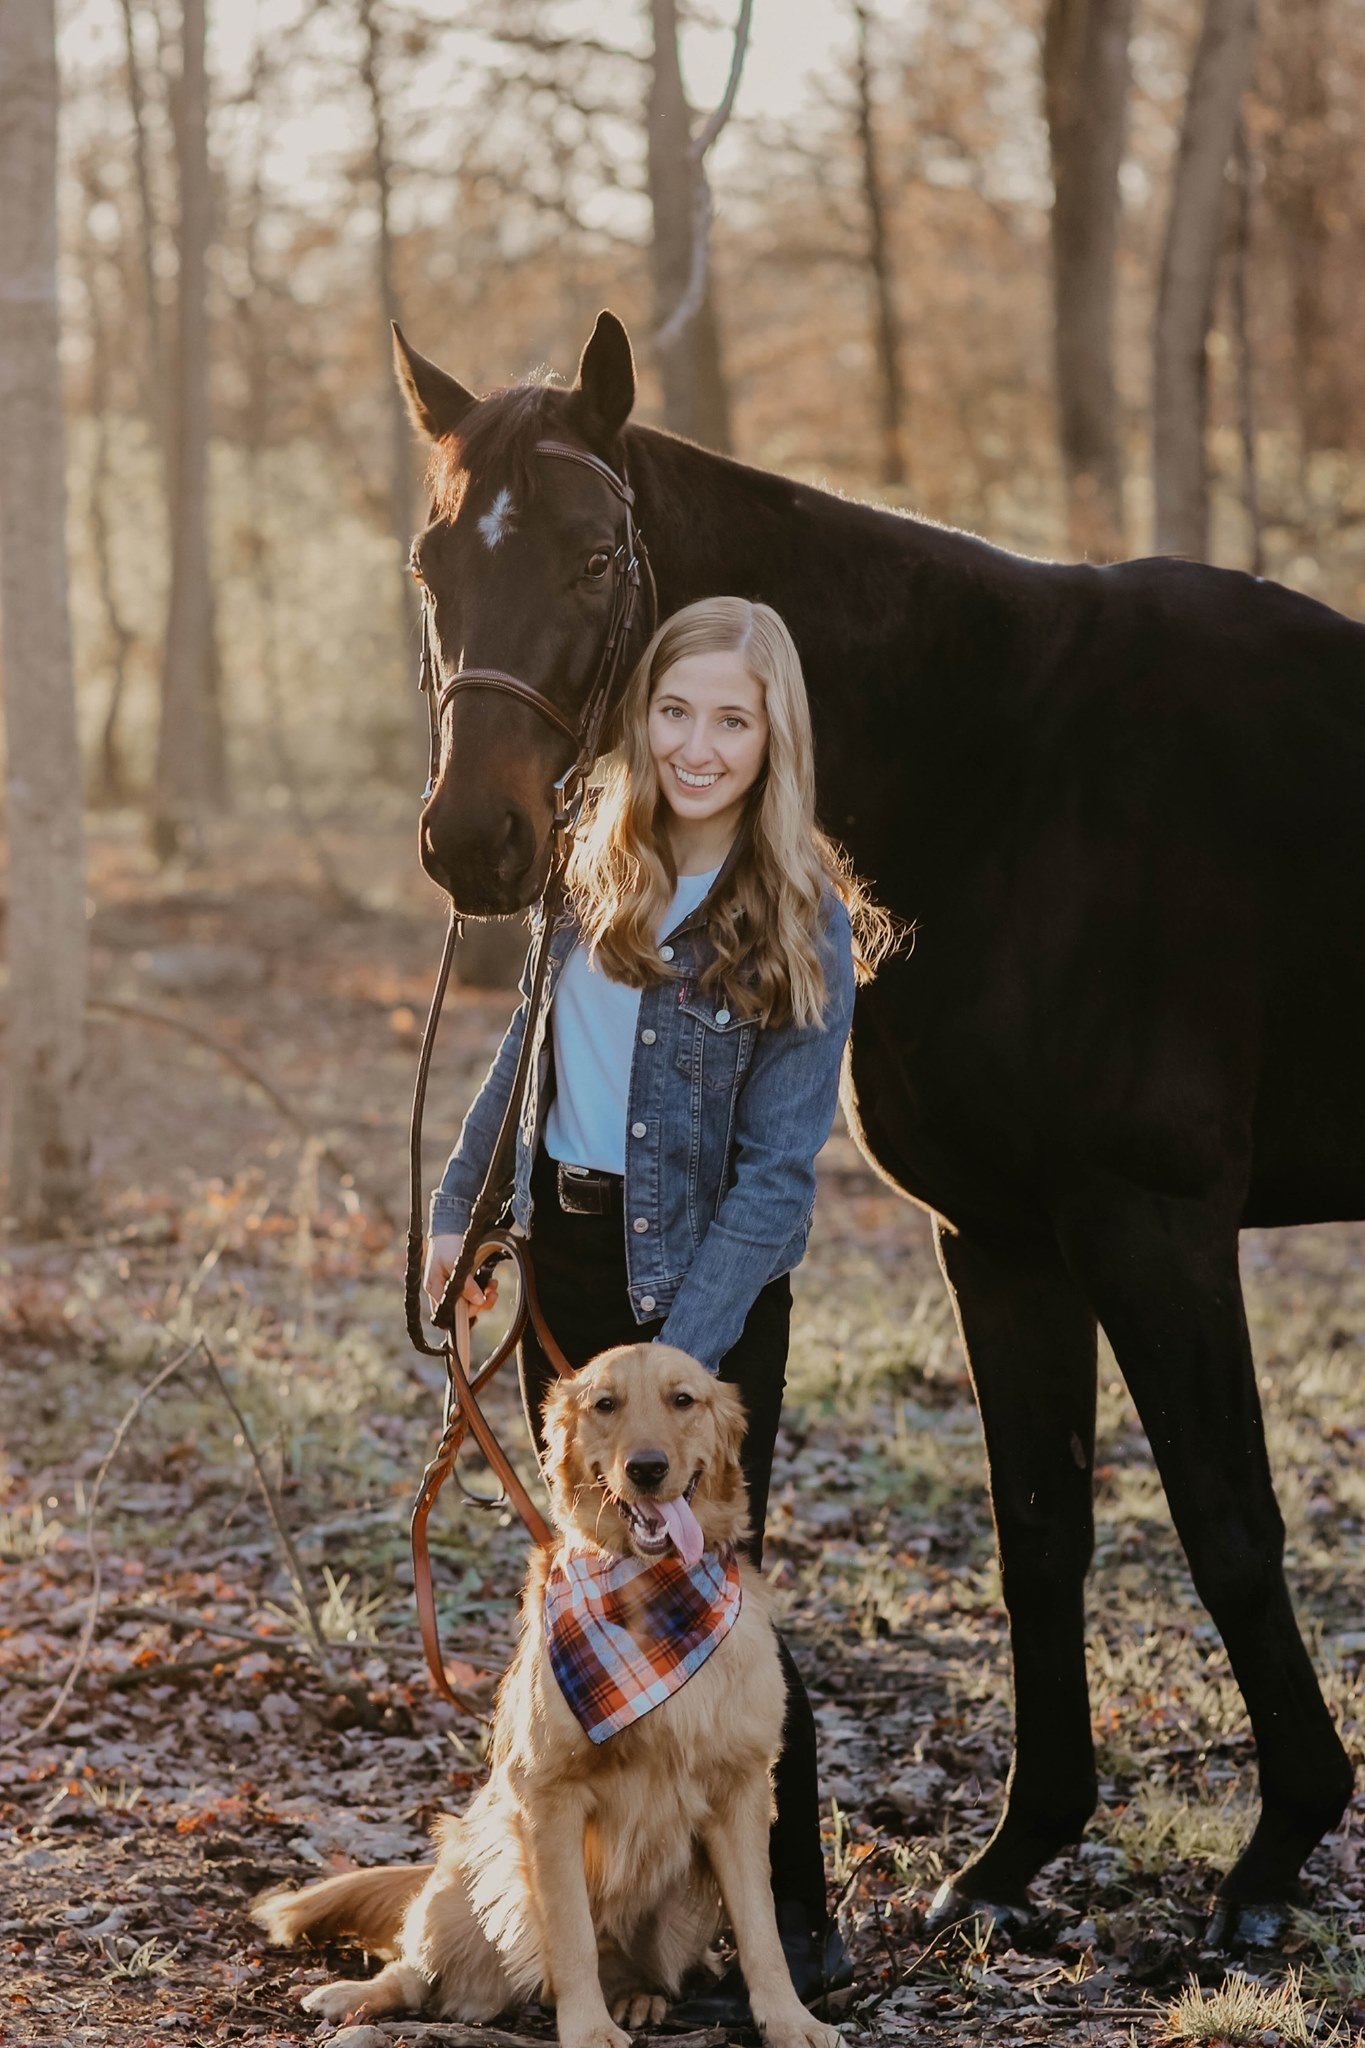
(816, 1956)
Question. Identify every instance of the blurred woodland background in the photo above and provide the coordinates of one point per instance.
(1083, 275)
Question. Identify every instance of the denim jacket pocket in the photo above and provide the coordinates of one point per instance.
(715, 1045)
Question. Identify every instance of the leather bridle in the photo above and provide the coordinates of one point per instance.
(487, 1239)
(630, 561)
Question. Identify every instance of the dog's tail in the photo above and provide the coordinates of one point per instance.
(366, 1904)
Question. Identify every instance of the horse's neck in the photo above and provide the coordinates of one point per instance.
(715, 525)
(900, 624)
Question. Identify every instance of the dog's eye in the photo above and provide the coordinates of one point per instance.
(605, 1404)
(681, 1400)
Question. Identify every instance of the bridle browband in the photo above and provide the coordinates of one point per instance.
(487, 1241)
(629, 557)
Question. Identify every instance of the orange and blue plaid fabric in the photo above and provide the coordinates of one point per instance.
(625, 1633)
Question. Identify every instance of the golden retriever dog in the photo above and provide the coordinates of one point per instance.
(594, 1873)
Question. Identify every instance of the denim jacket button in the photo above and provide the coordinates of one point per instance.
(646, 1038)
(665, 952)
(647, 1302)
(638, 1130)
(722, 1016)
(640, 1225)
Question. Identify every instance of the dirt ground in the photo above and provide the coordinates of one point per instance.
(205, 1752)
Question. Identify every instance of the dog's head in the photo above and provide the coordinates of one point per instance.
(640, 1426)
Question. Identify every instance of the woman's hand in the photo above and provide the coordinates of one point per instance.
(442, 1252)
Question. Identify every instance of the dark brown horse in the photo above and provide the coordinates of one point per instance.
(1123, 807)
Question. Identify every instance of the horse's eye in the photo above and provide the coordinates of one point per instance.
(598, 564)
(681, 1400)
(604, 1404)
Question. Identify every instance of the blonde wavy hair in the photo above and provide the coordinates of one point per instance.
(764, 919)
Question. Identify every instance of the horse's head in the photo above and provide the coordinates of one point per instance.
(521, 568)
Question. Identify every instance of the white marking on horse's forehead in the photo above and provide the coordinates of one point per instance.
(498, 521)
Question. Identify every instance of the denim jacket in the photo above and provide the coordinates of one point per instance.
(724, 1121)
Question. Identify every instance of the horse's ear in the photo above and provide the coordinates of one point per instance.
(605, 391)
(435, 401)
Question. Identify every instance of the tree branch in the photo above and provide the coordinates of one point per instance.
(690, 303)
(82, 1651)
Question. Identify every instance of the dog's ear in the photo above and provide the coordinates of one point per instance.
(727, 1405)
(560, 1426)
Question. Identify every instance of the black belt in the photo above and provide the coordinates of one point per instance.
(583, 1191)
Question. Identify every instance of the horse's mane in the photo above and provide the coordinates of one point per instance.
(497, 438)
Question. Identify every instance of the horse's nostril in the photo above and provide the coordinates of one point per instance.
(647, 1469)
(514, 846)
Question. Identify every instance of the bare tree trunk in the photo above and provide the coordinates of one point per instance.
(402, 498)
(48, 1146)
(1085, 94)
(1189, 272)
(1309, 166)
(189, 758)
(696, 402)
(111, 778)
(155, 391)
(1246, 355)
(256, 424)
(890, 378)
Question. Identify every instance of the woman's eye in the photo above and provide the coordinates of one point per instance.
(604, 1404)
(598, 564)
(683, 1401)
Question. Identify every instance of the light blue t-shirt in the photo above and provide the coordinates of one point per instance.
(593, 1020)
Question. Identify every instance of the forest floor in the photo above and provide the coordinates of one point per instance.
(204, 1753)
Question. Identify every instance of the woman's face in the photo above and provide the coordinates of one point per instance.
(708, 734)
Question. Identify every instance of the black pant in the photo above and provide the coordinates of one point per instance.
(580, 1269)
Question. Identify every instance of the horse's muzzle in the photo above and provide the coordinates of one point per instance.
(486, 877)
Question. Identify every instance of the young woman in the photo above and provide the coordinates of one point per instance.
(699, 999)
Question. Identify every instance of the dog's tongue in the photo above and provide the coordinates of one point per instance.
(681, 1524)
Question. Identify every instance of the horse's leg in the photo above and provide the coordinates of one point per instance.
(1163, 1276)
(1029, 1335)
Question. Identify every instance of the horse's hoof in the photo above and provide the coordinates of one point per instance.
(1238, 1924)
(951, 1907)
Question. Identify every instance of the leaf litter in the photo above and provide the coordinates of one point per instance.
(215, 1743)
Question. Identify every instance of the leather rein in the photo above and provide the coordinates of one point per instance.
(488, 1240)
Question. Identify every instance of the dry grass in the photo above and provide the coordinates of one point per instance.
(1337, 1970)
(27, 1532)
(1242, 2011)
(1163, 1826)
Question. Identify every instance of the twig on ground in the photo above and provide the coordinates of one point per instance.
(865, 2007)
(358, 1696)
(175, 1670)
(293, 1562)
(449, 2034)
(82, 1650)
(135, 1013)
(317, 1649)
(179, 1618)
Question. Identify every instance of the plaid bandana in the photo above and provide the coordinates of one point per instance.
(625, 1633)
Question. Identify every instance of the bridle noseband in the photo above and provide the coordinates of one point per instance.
(629, 558)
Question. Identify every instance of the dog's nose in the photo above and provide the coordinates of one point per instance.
(647, 1469)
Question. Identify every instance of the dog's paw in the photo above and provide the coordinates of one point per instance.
(639, 2009)
(595, 2034)
(799, 2029)
(346, 2000)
